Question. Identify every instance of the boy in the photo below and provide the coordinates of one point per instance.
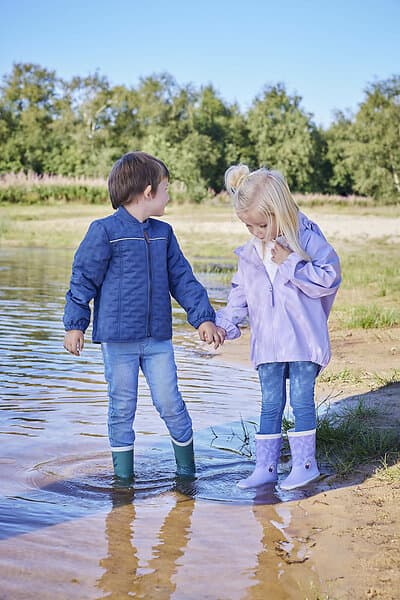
(130, 265)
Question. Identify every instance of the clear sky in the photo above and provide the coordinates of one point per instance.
(326, 51)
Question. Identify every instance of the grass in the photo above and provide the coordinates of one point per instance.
(346, 439)
(355, 377)
(371, 265)
(383, 380)
(30, 188)
(40, 226)
(21, 188)
(368, 296)
(372, 317)
(342, 376)
(349, 437)
(389, 470)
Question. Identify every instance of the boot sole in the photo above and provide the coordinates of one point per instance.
(256, 485)
(299, 485)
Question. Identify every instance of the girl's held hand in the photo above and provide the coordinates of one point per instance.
(279, 253)
(74, 341)
(222, 332)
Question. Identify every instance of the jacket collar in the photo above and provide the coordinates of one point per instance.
(248, 252)
(128, 218)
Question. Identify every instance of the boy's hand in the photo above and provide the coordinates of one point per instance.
(209, 333)
(74, 341)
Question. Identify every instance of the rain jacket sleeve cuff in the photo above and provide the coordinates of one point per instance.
(232, 331)
(197, 322)
(80, 325)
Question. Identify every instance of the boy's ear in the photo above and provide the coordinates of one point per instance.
(147, 192)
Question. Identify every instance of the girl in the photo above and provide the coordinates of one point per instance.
(286, 282)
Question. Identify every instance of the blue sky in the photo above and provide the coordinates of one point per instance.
(325, 51)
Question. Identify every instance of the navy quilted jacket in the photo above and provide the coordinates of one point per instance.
(131, 269)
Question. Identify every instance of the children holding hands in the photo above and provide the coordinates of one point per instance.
(130, 264)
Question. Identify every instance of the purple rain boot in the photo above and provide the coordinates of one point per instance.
(268, 449)
(304, 463)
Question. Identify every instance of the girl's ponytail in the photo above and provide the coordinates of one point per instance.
(234, 176)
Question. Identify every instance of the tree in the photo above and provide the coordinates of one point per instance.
(238, 146)
(211, 117)
(28, 107)
(375, 150)
(184, 162)
(339, 139)
(284, 136)
(83, 127)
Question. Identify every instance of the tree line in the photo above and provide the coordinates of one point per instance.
(81, 126)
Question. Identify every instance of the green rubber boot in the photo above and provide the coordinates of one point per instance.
(123, 464)
(184, 457)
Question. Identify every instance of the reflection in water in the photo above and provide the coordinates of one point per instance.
(200, 551)
(126, 573)
(278, 573)
(121, 564)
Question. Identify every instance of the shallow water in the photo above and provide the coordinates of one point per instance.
(65, 529)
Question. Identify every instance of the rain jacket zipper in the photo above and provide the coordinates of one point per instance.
(147, 239)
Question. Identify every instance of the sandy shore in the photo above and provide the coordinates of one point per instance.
(352, 530)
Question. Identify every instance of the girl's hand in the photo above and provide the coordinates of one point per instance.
(218, 337)
(279, 253)
(73, 341)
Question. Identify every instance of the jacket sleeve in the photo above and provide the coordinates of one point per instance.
(236, 309)
(88, 271)
(321, 275)
(185, 288)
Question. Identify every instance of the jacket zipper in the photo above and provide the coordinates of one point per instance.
(272, 300)
(272, 303)
(147, 239)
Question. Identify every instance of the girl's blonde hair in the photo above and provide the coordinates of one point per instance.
(268, 191)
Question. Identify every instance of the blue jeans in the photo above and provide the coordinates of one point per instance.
(273, 377)
(156, 359)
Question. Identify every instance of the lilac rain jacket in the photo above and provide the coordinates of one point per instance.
(288, 319)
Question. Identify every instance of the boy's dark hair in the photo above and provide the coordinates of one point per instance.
(131, 175)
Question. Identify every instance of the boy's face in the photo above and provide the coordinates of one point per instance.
(158, 201)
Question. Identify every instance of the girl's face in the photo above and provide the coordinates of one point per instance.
(259, 224)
